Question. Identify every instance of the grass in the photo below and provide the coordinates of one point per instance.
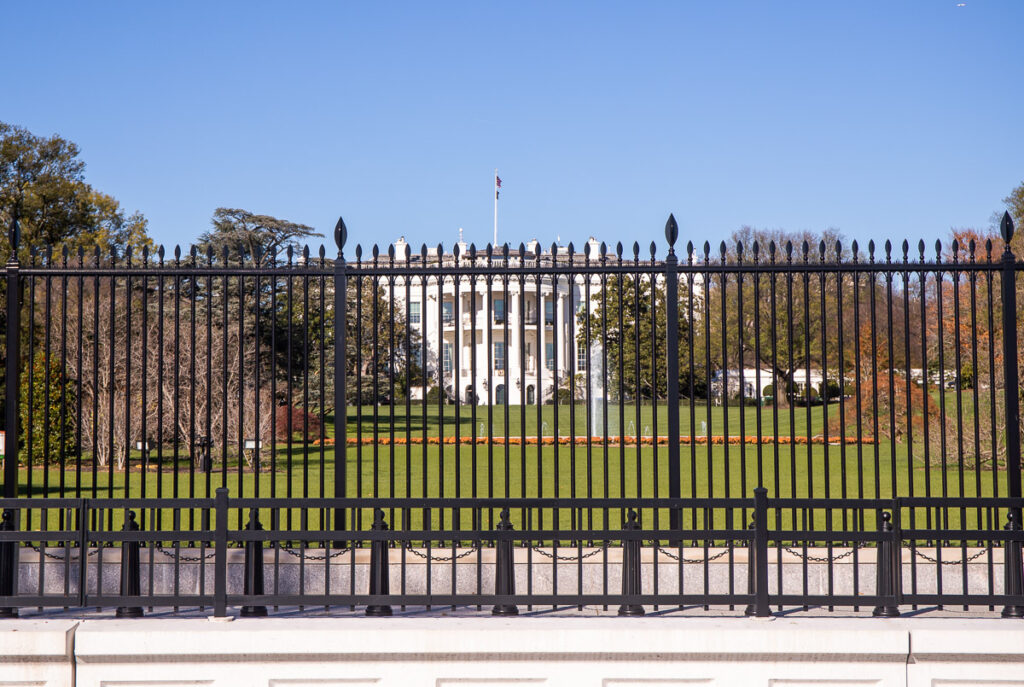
(627, 419)
(864, 470)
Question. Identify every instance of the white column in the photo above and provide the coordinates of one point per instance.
(542, 364)
(512, 372)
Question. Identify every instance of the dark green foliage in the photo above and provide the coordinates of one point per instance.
(47, 412)
(632, 341)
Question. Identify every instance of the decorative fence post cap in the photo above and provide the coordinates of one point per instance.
(1006, 227)
(671, 232)
(340, 234)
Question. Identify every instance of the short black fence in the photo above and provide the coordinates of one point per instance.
(566, 386)
(496, 552)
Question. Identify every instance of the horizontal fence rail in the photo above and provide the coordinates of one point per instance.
(412, 419)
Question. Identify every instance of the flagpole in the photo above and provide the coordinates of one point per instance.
(495, 207)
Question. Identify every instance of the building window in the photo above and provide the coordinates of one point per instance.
(549, 312)
(499, 311)
(448, 312)
(447, 355)
(499, 355)
(549, 353)
(414, 312)
(417, 357)
(581, 356)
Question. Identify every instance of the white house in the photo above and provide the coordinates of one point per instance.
(494, 339)
(521, 334)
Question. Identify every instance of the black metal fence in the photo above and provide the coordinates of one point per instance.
(428, 392)
(244, 556)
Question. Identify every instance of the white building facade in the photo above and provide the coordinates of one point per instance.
(494, 339)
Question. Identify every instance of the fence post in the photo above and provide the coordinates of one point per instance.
(757, 566)
(340, 408)
(1011, 382)
(13, 362)
(1013, 574)
(672, 368)
(130, 564)
(631, 566)
(379, 566)
(504, 568)
(887, 570)
(9, 550)
(8, 563)
(220, 552)
(253, 584)
(83, 547)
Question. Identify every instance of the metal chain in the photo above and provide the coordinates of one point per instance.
(304, 555)
(707, 559)
(823, 559)
(959, 562)
(39, 549)
(188, 559)
(442, 559)
(581, 557)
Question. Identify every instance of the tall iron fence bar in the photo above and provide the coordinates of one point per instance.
(672, 366)
(340, 379)
(1008, 282)
(129, 377)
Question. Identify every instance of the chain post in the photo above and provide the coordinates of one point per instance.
(886, 570)
(631, 567)
(757, 566)
(130, 568)
(220, 561)
(504, 569)
(379, 566)
(253, 568)
(8, 563)
(1013, 574)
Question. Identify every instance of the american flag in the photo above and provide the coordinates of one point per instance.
(497, 185)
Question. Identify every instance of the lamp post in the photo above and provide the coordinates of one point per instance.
(205, 446)
(144, 448)
(253, 445)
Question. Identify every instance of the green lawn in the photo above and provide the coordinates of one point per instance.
(563, 471)
(622, 419)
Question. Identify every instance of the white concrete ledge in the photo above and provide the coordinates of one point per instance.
(37, 652)
(496, 652)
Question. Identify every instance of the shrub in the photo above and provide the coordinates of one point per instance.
(44, 415)
(301, 419)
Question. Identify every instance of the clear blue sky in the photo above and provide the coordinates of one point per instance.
(881, 119)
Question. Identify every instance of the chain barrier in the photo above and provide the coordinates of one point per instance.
(919, 554)
(823, 559)
(176, 554)
(681, 559)
(959, 562)
(442, 559)
(581, 557)
(305, 556)
(43, 551)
